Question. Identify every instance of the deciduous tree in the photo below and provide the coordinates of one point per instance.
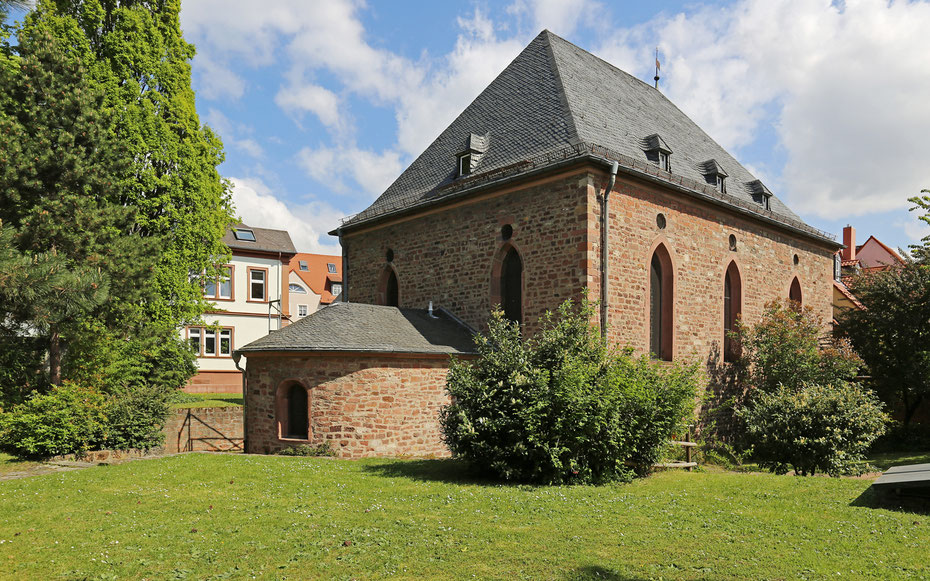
(892, 335)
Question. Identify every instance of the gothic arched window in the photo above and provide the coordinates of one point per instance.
(512, 286)
(732, 307)
(661, 298)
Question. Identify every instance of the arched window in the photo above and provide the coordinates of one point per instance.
(293, 409)
(732, 307)
(391, 295)
(795, 292)
(661, 298)
(512, 286)
(388, 293)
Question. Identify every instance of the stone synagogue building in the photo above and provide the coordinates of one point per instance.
(565, 173)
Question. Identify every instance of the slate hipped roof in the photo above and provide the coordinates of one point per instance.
(557, 102)
(369, 328)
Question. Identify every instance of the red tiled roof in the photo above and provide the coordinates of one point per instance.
(846, 293)
(317, 275)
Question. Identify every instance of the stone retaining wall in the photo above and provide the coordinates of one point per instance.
(204, 429)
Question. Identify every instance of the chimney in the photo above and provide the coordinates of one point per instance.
(849, 241)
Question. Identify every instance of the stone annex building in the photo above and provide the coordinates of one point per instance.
(565, 173)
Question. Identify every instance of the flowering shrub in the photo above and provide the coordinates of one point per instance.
(562, 407)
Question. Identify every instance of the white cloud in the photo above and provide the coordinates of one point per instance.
(560, 16)
(373, 172)
(231, 132)
(216, 81)
(844, 83)
(307, 223)
(318, 100)
(250, 146)
(915, 229)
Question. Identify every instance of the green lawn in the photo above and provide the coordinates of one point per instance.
(203, 516)
(208, 400)
(885, 460)
(11, 464)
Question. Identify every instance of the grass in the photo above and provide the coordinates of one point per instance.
(9, 464)
(208, 400)
(885, 460)
(233, 516)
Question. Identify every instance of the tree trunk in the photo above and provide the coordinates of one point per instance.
(54, 357)
(910, 409)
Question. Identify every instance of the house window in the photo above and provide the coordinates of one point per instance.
(297, 289)
(664, 161)
(293, 408)
(243, 234)
(464, 164)
(661, 297)
(794, 293)
(732, 307)
(512, 286)
(257, 285)
(225, 342)
(303, 265)
(721, 184)
(337, 289)
(210, 342)
(301, 310)
(330, 268)
(193, 336)
(220, 287)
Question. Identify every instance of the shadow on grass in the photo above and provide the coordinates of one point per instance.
(446, 470)
(597, 572)
(871, 498)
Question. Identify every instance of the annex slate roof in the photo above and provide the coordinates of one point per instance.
(369, 328)
(555, 101)
(266, 240)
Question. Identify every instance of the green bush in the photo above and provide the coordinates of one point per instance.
(813, 427)
(788, 347)
(135, 418)
(325, 448)
(68, 419)
(562, 407)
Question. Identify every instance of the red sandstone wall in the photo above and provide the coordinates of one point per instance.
(215, 382)
(205, 428)
(364, 405)
(447, 257)
(697, 237)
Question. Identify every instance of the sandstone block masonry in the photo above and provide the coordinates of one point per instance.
(365, 405)
(447, 255)
(204, 429)
(698, 237)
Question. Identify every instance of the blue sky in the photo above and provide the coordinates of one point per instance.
(322, 104)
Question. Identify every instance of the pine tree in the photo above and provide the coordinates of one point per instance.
(58, 192)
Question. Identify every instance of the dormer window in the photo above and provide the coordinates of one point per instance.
(760, 194)
(657, 151)
(714, 175)
(475, 147)
(464, 164)
(243, 234)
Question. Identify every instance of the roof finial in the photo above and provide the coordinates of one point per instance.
(657, 68)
